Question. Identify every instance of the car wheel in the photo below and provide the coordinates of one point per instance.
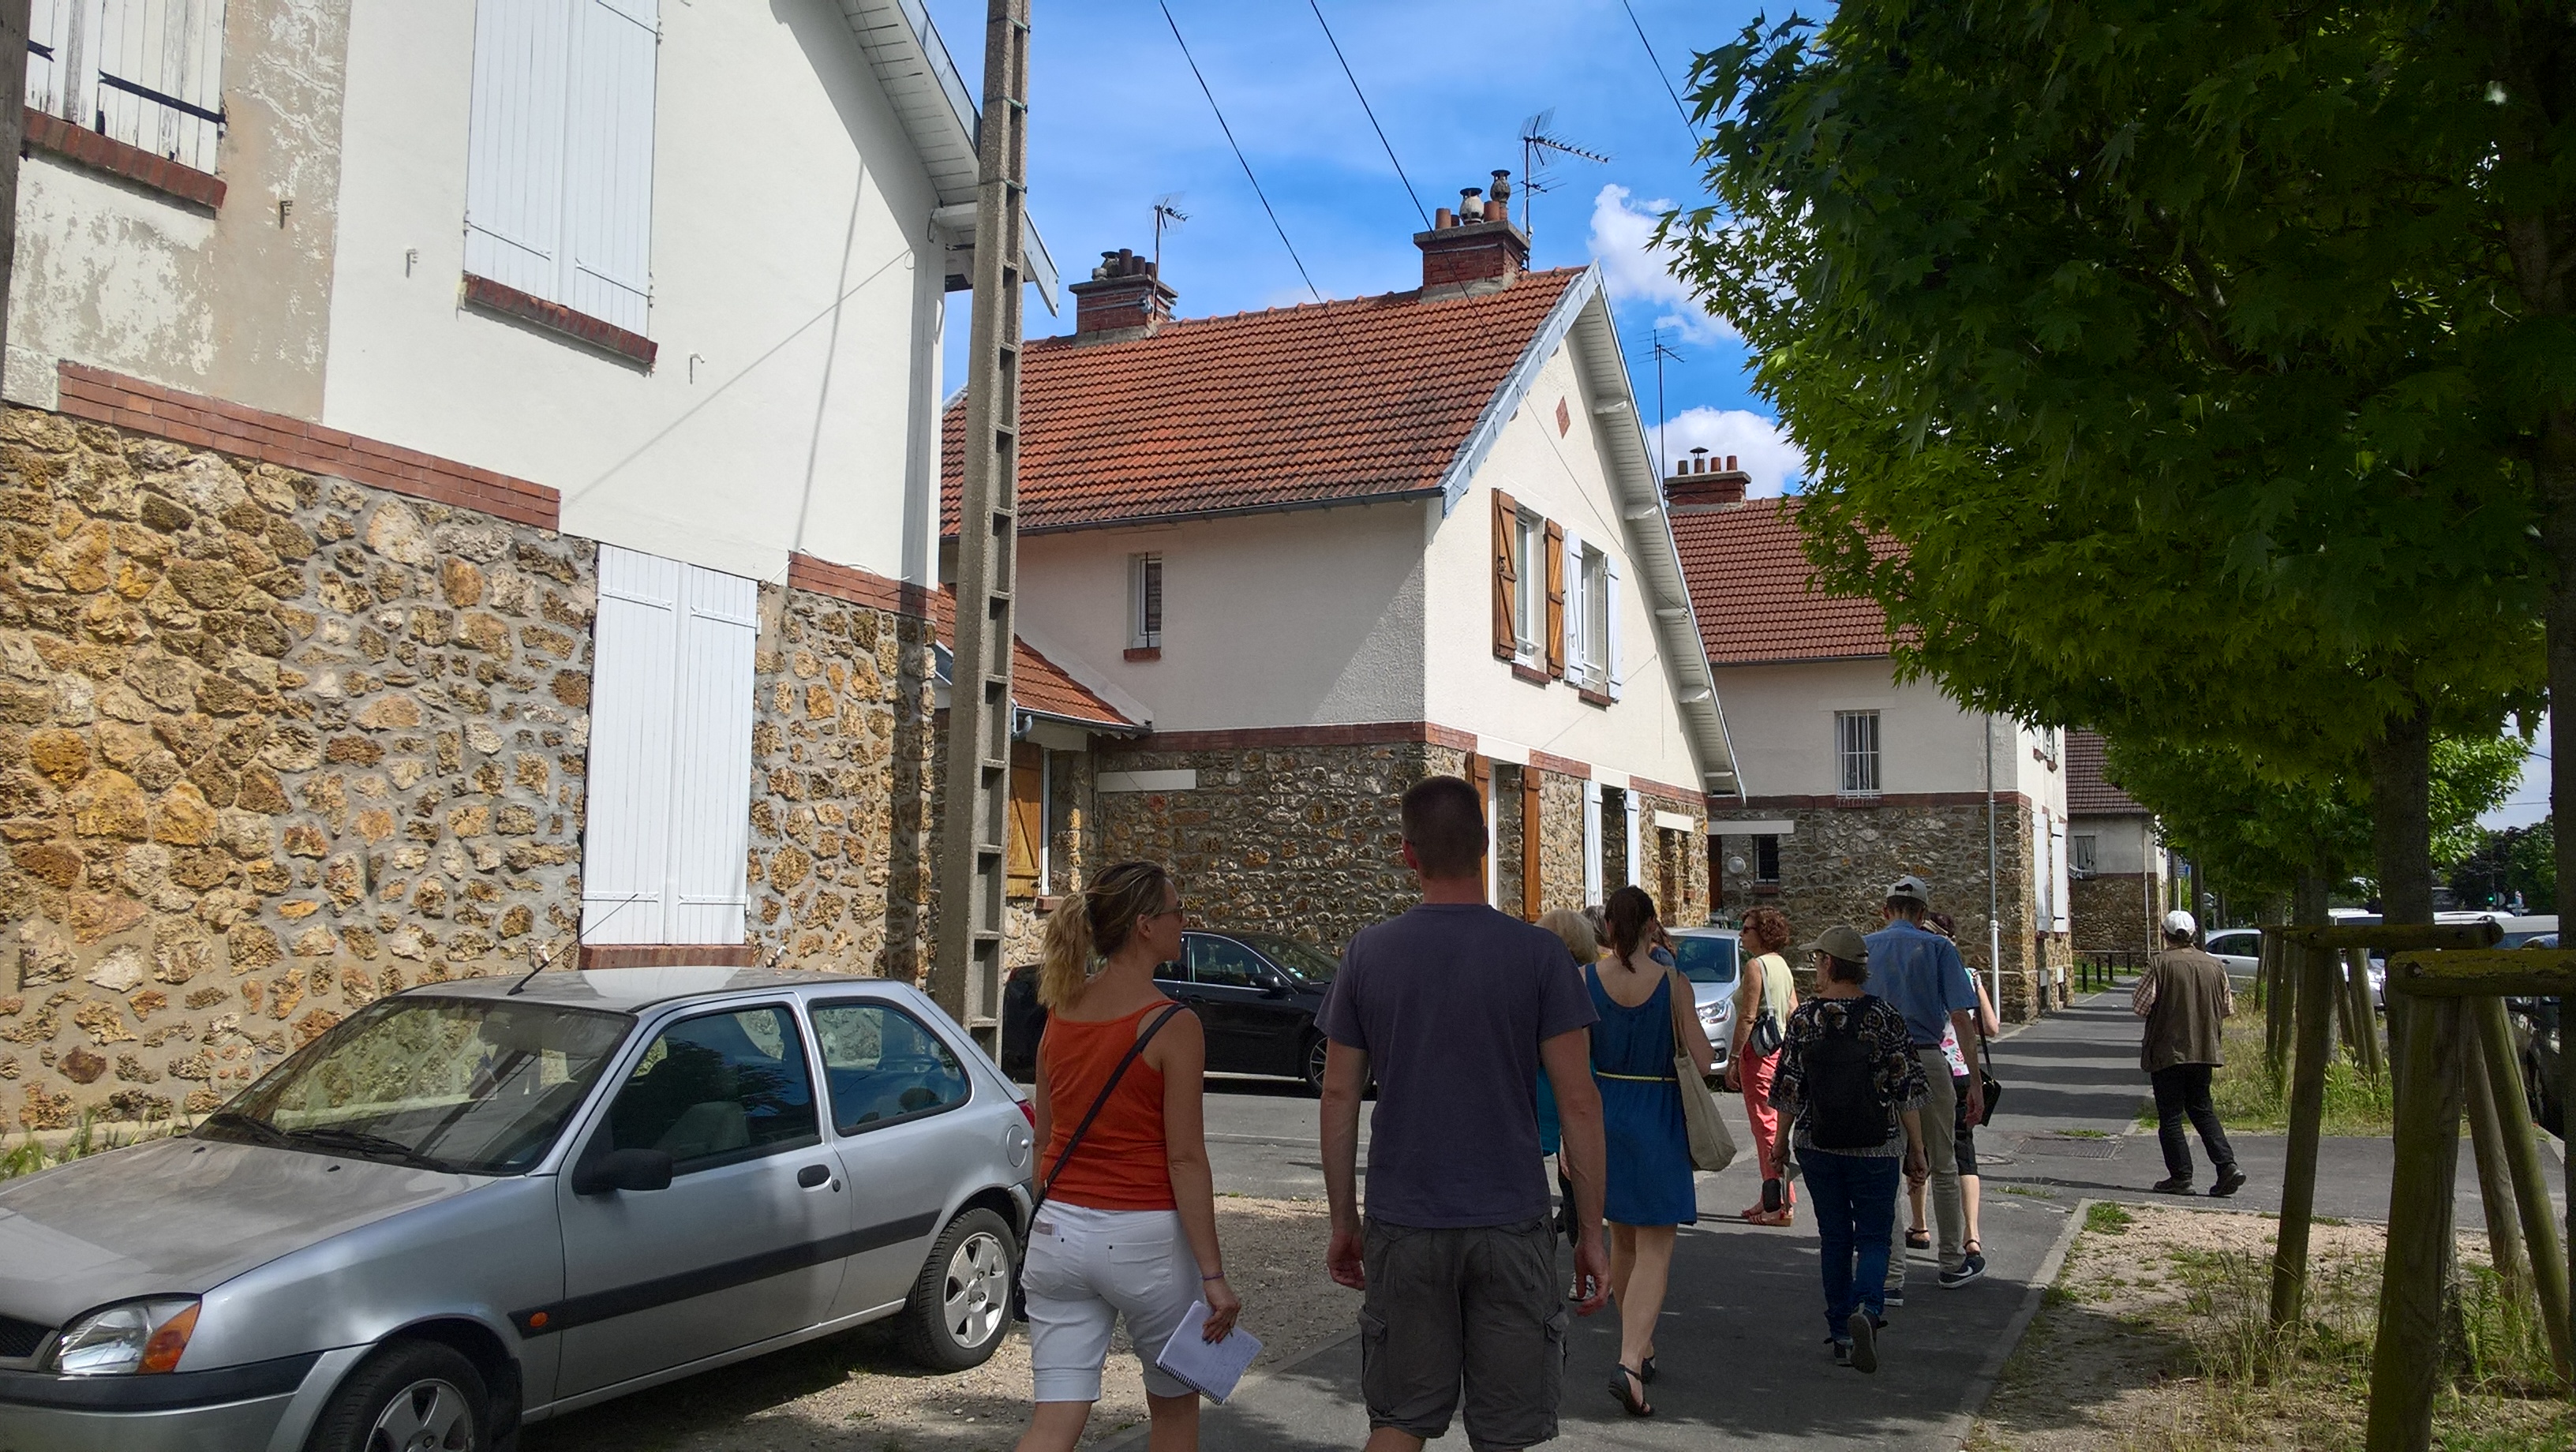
(413, 1396)
(1313, 1072)
(961, 1305)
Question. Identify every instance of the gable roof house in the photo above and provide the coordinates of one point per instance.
(476, 476)
(1863, 777)
(2122, 881)
(1331, 549)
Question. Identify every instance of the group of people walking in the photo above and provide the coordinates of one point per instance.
(1494, 1045)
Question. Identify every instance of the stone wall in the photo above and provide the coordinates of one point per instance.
(2114, 911)
(1560, 841)
(271, 745)
(842, 817)
(1689, 859)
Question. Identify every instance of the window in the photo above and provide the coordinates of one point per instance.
(1591, 618)
(2045, 748)
(883, 1066)
(714, 1090)
(2079, 853)
(1537, 564)
(1856, 752)
(1766, 859)
(149, 73)
(559, 153)
(1224, 963)
(669, 818)
(1144, 602)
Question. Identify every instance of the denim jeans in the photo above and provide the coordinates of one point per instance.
(1854, 1200)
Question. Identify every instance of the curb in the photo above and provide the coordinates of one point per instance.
(1137, 1435)
(1962, 1424)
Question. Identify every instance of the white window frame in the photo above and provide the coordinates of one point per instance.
(1149, 601)
(1529, 605)
(2082, 852)
(1591, 841)
(1859, 754)
(149, 73)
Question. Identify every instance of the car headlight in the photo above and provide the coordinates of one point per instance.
(1713, 1012)
(136, 1337)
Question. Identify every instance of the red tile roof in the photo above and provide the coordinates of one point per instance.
(1037, 683)
(2086, 791)
(1753, 590)
(1340, 401)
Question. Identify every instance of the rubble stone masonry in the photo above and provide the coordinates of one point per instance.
(271, 745)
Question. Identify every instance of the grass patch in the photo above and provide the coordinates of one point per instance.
(2034, 1194)
(2083, 1134)
(2250, 1101)
(30, 1154)
(2107, 1218)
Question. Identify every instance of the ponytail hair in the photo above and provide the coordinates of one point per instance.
(1627, 913)
(1094, 923)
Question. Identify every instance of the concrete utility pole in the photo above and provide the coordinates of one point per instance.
(966, 977)
(13, 138)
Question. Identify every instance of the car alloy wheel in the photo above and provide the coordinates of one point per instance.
(1315, 1052)
(978, 1290)
(429, 1415)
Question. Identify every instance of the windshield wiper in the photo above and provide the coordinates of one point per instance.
(359, 1142)
(257, 1128)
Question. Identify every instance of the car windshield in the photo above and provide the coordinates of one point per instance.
(1706, 960)
(1309, 963)
(465, 1085)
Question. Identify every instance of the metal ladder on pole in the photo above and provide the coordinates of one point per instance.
(966, 975)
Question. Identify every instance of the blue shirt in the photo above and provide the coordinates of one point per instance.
(1921, 973)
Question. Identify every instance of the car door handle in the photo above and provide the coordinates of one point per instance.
(812, 1175)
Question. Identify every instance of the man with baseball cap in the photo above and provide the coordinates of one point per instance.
(1921, 973)
(2185, 998)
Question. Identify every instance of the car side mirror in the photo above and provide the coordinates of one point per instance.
(626, 1169)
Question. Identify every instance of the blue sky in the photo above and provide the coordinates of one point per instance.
(1116, 121)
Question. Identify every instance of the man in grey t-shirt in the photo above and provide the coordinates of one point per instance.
(1453, 1008)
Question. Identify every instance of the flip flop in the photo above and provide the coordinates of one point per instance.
(1633, 1403)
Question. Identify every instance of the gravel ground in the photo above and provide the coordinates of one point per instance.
(857, 1391)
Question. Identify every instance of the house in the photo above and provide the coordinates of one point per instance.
(1331, 549)
(471, 472)
(1860, 776)
(2122, 880)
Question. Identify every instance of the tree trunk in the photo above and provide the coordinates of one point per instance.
(2311, 1045)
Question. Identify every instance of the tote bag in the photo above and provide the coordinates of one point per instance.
(1712, 1145)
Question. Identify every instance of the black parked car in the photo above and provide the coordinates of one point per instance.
(1256, 994)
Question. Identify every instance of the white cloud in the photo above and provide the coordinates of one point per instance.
(1760, 449)
(1623, 243)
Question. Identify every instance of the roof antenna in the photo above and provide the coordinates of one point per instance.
(1663, 420)
(550, 958)
(1535, 143)
(1165, 213)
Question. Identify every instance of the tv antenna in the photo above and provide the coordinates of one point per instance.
(1662, 351)
(1165, 214)
(1536, 142)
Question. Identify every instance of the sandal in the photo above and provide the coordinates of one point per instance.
(1646, 1371)
(1972, 1247)
(1779, 1217)
(1918, 1240)
(1634, 1403)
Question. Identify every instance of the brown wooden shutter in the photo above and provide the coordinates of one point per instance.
(1507, 575)
(1480, 775)
(1027, 820)
(1555, 599)
(1529, 844)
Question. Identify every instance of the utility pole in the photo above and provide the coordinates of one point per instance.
(966, 976)
(14, 16)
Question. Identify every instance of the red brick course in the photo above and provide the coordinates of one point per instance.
(133, 163)
(293, 443)
(2003, 799)
(1367, 733)
(1644, 786)
(859, 587)
(500, 297)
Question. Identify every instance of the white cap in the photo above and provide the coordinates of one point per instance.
(2178, 924)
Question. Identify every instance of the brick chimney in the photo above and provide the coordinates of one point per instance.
(1474, 249)
(1125, 298)
(1701, 483)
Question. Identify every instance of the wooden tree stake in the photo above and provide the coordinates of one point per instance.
(2530, 1180)
(2310, 969)
(2407, 1364)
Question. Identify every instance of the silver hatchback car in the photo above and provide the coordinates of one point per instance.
(472, 1206)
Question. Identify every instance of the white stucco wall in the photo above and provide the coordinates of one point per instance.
(796, 300)
(2122, 844)
(1781, 718)
(1300, 619)
(1562, 477)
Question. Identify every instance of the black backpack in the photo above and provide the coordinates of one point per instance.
(1844, 1111)
(1024, 1022)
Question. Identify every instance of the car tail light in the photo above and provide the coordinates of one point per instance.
(1029, 1112)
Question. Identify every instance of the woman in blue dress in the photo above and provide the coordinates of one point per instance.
(1643, 1006)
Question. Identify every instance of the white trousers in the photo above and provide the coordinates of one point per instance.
(1086, 1268)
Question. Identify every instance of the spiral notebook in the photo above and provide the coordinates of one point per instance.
(1211, 1368)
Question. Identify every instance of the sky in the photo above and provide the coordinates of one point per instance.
(1116, 122)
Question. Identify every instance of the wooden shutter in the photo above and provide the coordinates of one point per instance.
(1507, 574)
(49, 44)
(1555, 599)
(711, 750)
(1480, 775)
(514, 149)
(1531, 898)
(150, 73)
(608, 162)
(1027, 819)
(1579, 647)
(1610, 617)
(1635, 811)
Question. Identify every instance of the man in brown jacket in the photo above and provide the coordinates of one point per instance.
(2184, 997)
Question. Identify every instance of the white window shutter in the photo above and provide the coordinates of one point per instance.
(514, 168)
(1610, 614)
(1591, 841)
(49, 58)
(1578, 613)
(1636, 839)
(2060, 909)
(711, 817)
(626, 832)
(119, 65)
(608, 162)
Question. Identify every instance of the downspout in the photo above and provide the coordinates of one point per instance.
(1994, 890)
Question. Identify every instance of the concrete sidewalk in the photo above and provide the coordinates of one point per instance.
(1743, 1348)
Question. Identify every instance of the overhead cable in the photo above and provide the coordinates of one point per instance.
(1658, 63)
(1238, 150)
(1371, 111)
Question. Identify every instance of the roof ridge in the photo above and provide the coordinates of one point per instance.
(1172, 325)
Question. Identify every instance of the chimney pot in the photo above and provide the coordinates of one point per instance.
(1124, 298)
(1442, 217)
(1730, 463)
(1480, 251)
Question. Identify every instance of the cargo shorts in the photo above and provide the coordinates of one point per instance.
(1479, 1307)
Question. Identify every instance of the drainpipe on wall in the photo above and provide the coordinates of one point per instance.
(1994, 889)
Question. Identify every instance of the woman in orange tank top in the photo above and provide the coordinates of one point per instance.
(1128, 1227)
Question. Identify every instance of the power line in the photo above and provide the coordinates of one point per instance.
(1687, 123)
(1238, 150)
(1364, 106)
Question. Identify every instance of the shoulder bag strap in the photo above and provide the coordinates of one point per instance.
(1680, 990)
(1135, 1051)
